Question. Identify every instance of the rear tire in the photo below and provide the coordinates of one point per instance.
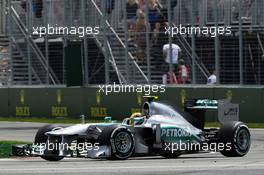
(237, 136)
(41, 138)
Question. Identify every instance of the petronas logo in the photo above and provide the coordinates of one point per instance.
(98, 98)
(183, 97)
(22, 96)
(59, 96)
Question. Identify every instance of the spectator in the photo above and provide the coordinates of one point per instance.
(159, 31)
(153, 13)
(131, 8)
(235, 10)
(183, 76)
(171, 54)
(37, 8)
(164, 8)
(98, 3)
(169, 78)
(140, 39)
(159, 39)
(76, 11)
(212, 79)
(110, 5)
(246, 10)
(1, 50)
(24, 4)
(142, 5)
(57, 13)
(4, 65)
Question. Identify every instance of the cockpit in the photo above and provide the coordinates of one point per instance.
(156, 112)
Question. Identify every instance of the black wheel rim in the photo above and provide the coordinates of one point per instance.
(123, 142)
(243, 139)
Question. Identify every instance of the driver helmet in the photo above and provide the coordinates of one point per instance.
(134, 115)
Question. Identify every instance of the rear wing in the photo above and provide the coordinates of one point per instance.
(226, 110)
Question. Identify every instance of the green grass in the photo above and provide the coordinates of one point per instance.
(6, 146)
(212, 125)
(255, 125)
(250, 125)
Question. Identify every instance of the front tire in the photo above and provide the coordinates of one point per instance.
(122, 143)
(237, 136)
(41, 138)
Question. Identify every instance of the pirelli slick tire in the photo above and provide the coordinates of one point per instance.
(41, 138)
(237, 136)
(122, 143)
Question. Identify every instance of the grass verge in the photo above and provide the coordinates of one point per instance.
(6, 146)
(250, 125)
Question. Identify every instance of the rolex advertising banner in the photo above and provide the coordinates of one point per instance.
(96, 105)
(28, 102)
(64, 103)
(42, 102)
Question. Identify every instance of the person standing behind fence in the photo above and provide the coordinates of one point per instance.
(169, 78)
(212, 79)
(110, 5)
(142, 5)
(153, 13)
(37, 8)
(183, 75)
(164, 8)
(131, 8)
(140, 35)
(171, 53)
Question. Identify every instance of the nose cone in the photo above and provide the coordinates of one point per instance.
(71, 130)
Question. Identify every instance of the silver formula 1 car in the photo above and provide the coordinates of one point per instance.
(161, 130)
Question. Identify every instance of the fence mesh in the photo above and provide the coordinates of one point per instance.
(128, 41)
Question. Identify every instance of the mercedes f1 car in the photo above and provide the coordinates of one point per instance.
(161, 130)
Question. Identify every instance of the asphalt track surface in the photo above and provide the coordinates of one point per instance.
(196, 164)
